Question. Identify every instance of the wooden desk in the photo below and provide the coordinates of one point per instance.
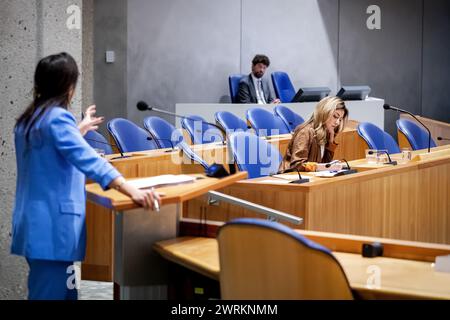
(400, 278)
(408, 202)
(135, 267)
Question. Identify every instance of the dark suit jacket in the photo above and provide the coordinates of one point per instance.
(247, 92)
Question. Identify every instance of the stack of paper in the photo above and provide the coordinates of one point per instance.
(160, 181)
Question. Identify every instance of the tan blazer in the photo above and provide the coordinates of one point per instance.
(303, 148)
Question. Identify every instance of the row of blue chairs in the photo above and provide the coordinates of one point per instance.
(282, 84)
(380, 140)
(159, 133)
(251, 153)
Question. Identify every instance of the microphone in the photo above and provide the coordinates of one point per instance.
(443, 139)
(111, 145)
(388, 107)
(143, 106)
(394, 163)
(300, 178)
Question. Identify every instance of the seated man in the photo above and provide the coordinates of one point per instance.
(253, 88)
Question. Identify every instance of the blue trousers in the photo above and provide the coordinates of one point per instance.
(51, 280)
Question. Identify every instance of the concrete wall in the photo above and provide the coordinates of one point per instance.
(29, 30)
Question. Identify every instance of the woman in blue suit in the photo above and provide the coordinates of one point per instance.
(52, 161)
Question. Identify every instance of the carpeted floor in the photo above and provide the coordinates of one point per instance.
(93, 290)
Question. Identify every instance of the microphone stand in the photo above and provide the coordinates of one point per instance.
(300, 178)
(111, 145)
(394, 163)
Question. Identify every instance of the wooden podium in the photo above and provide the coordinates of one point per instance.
(138, 272)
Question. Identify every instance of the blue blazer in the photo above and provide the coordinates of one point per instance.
(49, 213)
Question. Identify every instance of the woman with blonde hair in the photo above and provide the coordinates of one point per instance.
(313, 142)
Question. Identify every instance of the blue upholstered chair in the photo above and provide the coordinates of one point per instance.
(416, 135)
(289, 117)
(230, 122)
(164, 134)
(254, 155)
(201, 132)
(265, 123)
(284, 90)
(129, 137)
(265, 260)
(98, 141)
(377, 138)
(233, 82)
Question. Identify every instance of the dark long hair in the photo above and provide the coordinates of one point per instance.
(55, 79)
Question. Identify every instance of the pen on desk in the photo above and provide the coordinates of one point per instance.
(155, 201)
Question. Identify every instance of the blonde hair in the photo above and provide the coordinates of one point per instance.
(323, 111)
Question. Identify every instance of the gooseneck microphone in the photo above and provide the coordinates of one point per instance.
(388, 107)
(443, 139)
(143, 106)
(111, 145)
(394, 163)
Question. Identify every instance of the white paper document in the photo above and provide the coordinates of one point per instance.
(161, 181)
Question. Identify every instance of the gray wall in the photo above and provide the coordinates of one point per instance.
(178, 51)
(183, 51)
(436, 60)
(388, 60)
(110, 33)
(29, 30)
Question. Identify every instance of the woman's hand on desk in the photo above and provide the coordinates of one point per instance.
(145, 198)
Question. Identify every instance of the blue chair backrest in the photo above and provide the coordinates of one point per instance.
(253, 251)
(165, 135)
(201, 132)
(233, 82)
(230, 122)
(254, 155)
(98, 141)
(266, 123)
(289, 117)
(284, 89)
(129, 137)
(416, 135)
(377, 138)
